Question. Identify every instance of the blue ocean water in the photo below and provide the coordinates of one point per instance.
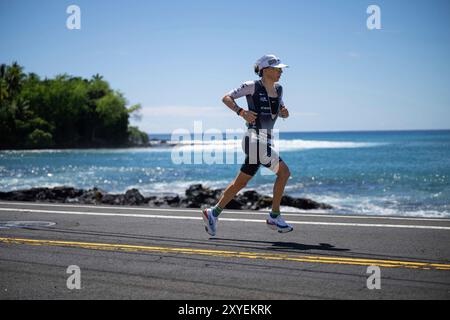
(399, 173)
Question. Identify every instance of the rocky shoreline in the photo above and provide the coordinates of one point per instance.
(196, 196)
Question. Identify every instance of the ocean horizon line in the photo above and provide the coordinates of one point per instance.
(342, 131)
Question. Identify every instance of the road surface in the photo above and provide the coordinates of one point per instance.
(146, 253)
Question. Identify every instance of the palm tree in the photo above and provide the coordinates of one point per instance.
(97, 77)
(3, 90)
(3, 85)
(21, 108)
(2, 71)
(14, 77)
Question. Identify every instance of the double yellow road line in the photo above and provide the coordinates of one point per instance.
(230, 254)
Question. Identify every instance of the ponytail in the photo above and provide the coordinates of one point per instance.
(258, 71)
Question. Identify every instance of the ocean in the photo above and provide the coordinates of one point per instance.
(395, 173)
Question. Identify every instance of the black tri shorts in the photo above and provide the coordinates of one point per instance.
(259, 153)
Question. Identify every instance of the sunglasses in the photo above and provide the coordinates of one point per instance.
(276, 69)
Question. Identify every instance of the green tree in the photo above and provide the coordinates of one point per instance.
(4, 94)
(11, 106)
(64, 111)
(39, 139)
(14, 78)
(113, 117)
(137, 137)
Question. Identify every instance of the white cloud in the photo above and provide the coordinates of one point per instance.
(183, 111)
(162, 119)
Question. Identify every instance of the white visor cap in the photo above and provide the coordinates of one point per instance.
(270, 60)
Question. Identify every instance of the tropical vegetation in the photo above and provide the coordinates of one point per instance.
(63, 112)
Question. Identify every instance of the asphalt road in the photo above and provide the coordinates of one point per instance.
(144, 253)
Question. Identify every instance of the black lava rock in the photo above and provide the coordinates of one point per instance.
(196, 196)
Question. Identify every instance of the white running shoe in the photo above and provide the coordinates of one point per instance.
(210, 221)
(279, 224)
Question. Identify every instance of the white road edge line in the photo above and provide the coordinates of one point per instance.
(222, 219)
(229, 211)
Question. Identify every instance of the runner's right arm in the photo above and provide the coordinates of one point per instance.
(247, 88)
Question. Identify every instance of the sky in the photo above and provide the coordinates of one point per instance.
(178, 58)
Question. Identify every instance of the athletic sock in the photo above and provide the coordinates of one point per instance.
(217, 211)
(274, 214)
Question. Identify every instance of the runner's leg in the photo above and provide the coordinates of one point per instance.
(283, 175)
(233, 188)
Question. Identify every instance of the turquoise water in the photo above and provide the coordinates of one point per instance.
(404, 173)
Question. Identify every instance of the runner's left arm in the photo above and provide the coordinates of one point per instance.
(284, 113)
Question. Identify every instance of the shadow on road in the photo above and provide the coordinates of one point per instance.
(278, 245)
(223, 242)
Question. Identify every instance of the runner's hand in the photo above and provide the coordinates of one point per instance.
(284, 113)
(249, 116)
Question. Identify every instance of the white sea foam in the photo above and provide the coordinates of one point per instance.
(343, 205)
(288, 145)
(350, 205)
(379, 206)
(232, 145)
(282, 145)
